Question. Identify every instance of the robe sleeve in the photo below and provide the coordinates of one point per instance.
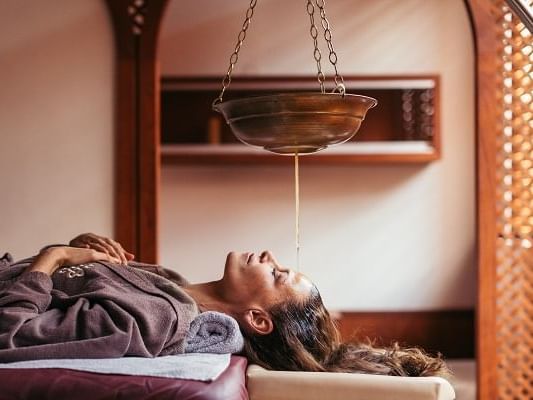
(29, 330)
(28, 296)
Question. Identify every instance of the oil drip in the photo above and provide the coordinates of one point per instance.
(297, 210)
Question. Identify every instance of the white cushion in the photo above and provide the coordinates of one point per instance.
(285, 385)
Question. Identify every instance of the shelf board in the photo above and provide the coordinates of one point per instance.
(408, 108)
(347, 153)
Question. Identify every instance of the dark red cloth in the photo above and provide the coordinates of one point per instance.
(64, 384)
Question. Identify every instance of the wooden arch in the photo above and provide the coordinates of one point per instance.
(136, 24)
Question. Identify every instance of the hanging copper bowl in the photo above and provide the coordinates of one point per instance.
(290, 123)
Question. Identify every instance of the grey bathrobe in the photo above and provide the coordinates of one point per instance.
(96, 310)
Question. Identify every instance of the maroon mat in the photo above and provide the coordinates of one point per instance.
(64, 384)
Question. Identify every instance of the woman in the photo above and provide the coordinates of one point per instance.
(89, 299)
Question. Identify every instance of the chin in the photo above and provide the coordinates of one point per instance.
(232, 278)
(232, 262)
(232, 259)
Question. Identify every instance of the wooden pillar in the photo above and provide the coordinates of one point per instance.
(483, 23)
(136, 26)
(504, 194)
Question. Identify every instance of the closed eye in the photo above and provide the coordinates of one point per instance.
(276, 274)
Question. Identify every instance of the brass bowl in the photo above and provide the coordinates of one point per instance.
(290, 123)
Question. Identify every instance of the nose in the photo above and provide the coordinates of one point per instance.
(267, 256)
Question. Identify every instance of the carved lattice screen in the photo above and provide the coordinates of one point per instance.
(514, 263)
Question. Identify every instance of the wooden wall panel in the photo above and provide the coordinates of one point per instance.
(448, 332)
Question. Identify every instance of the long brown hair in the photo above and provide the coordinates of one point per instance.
(305, 338)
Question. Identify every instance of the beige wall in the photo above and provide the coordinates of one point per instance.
(373, 237)
(56, 110)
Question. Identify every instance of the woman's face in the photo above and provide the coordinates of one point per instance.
(252, 279)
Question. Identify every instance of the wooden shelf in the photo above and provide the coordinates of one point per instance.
(403, 128)
(347, 153)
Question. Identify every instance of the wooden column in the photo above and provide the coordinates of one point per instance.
(136, 25)
(483, 22)
(504, 163)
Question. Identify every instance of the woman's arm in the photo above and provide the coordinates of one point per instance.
(30, 329)
(53, 258)
(29, 294)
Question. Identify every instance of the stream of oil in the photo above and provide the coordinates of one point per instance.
(297, 210)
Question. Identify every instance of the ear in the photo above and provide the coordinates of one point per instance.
(258, 321)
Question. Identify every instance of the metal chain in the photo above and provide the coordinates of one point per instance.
(235, 55)
(339, 80)
(320, 4)
(316, 53)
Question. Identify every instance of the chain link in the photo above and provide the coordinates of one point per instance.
(235, 55)
(339, 80)
(316, 53)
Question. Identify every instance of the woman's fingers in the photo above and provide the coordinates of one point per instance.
(107, 251)
(100, 248)
(118, 250)
(102, 244)
(101, 256)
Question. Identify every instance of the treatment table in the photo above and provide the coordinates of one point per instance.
(238, 382)
(285, 385)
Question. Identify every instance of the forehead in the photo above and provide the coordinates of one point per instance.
(300, 284)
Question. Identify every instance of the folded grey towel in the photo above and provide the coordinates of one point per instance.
(214, 332)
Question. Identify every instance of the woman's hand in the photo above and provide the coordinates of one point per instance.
(49, 260)
(103, 245)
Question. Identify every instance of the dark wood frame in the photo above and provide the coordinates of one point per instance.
(137, 153)
(137, 162)
(282, 82)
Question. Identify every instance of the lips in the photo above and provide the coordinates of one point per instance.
(249, 258)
